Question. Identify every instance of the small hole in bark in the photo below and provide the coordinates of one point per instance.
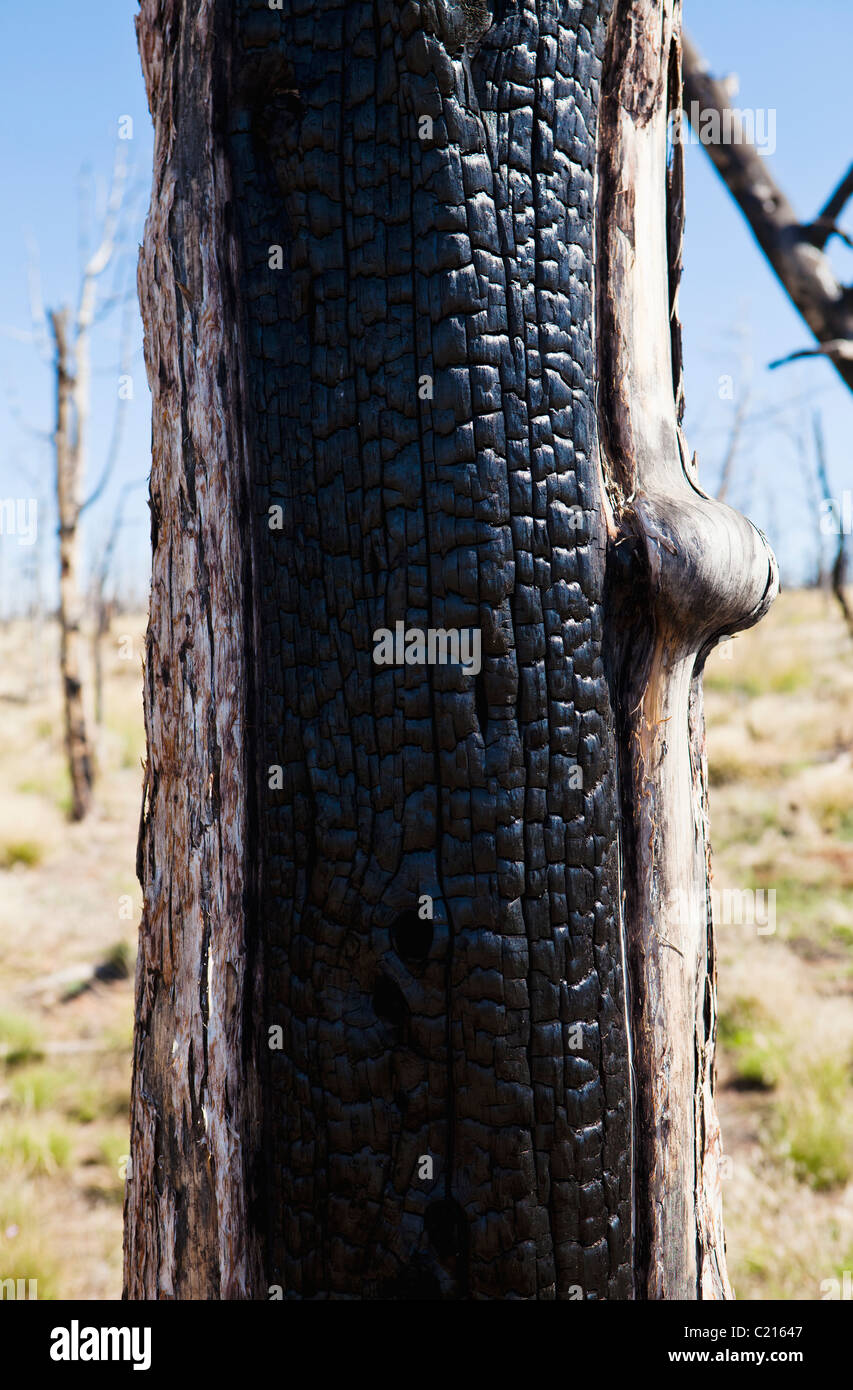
(388, 1001)
(447, 1228)
(412, 937)
(288, 99)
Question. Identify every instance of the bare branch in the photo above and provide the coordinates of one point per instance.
(102, 570)
(840, 348)
(731, 450)
(100, 259)
(819, 232)
(84, 210)
(824, 225)
(802, 267)
(95, 268)
(124, 358)
(107, 305)
(839, 568)
(43, 436)
(38, 318)
(20, 335)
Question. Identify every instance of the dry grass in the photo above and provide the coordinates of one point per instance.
(780, 737)
(65, 1039)
(780, 720)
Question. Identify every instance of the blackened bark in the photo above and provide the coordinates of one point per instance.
(464, 257)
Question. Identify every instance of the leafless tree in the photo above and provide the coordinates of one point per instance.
(103, 603)
(834, 512)
(795, 249)
(63, 336)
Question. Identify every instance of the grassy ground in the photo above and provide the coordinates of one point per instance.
(69, 902)
(779, 708)
(779, 704)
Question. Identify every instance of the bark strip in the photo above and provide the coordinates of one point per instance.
(683, 571)
(194, 1128)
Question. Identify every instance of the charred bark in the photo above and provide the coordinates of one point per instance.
(370, 290)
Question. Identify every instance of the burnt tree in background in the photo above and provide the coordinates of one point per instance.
(400, 259)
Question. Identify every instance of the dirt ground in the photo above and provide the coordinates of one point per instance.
(779, 705)
(779, 709)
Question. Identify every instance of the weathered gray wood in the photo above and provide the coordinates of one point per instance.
(688, 569)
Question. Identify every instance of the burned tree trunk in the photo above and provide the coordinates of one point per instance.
(69, 481)
(413, 830)
(73, 367)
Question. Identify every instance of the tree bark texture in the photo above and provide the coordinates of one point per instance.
(391, 335)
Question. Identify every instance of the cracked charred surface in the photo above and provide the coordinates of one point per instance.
(466, 258)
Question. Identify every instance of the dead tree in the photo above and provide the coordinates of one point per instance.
(68, 481)
(425, 995)
(794, 249)
(833, 511)
(71, 333)
(103, 604)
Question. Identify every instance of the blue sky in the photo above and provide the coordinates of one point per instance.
(732, 306)
(69, 72)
